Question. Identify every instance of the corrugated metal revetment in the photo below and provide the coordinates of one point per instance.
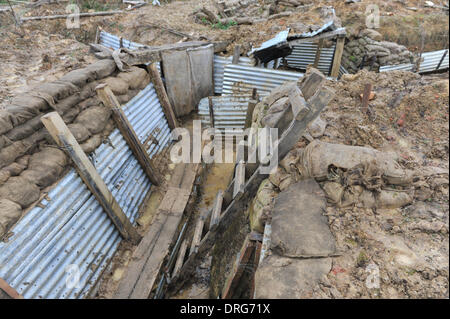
(219, 65)
(229, 111)
(240, 79)
(430, 63)
(304, 54)
(113, 41)
(71, 237)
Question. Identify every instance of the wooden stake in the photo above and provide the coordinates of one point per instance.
(10, 291)
(366, 97)
(211, 111)
(180, 258)
(64, 138)
(239, 179)
(237, 54)
(162, 95)
(109, 100)
(197, 235)
(317, 57)
(216, 209)
(337, 57)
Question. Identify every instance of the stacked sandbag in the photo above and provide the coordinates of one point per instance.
(368, 46)
(29, 157)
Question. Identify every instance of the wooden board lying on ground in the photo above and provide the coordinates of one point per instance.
(148, 257)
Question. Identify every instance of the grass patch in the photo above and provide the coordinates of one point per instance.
(223, 26)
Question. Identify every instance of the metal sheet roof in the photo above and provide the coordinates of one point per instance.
(304, 54)
(71, 227)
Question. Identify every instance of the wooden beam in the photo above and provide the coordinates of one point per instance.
(109, 100)
(337, 57)
(162, 95)
(216, 209)
(239, 179)
(366, 97)
(248, 117)
(64, 138)
(10, 291)
(317, 57)
(197, 235)
(236, 54)
(211, 111)
(180, 258)
(256, 257)
(243, 258)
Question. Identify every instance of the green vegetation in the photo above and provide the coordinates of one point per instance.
(223, 26)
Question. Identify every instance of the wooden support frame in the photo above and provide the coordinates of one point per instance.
(64, 138)
(366, 97)
(211, 111)
(10, 291)
(236, 54)
(156, 79)
(197, 235)
(180, 258)
(319, 100)
(216, 209)
(337, 57)
(319, 50)
(239, 179)
(109, 100)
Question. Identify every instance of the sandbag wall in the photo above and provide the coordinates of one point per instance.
(29, 158)
(368, 45)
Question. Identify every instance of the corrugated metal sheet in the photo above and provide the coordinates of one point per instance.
(304, 54)
(279, 38)
(113, 41)
(240, 79)
(219, 65)
(229, 111)
(72, 228)
(430, 63)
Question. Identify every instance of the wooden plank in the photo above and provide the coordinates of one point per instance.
(216, 209)
(317, 57)
(248, 117)
(149, 256)
(236, 54)
(10, 291)
(197, 235)
(366, 97)
(337, 57)
(64, 138)
(180, 258)
(162, 95)
(239, 179)
(256, 257)
(211, 111)
(109, 100)
(238, 269)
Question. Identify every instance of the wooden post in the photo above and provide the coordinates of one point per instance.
(216, 209)
(239, 179)
(180, 258)
(197, 235)
(162, 95)
(317, 57)
(211, 111)
(366, 97)
(251, 107)
(64, 138)
(337, 57)
(109, 100)
(237, 54)
(10, 291)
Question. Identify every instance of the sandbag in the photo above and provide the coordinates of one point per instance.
(10, 212)
(58, 89)
(21, 114)
(14, 168)
(4, 176)
(117, 85)
(91, 101)
(10, 153)
(80, 132)
(94, 118)
(4, 141)
(19, 190)
(137, 78)
(102, 68)
(45, 167)
(79, 77)
(279, 92)
(318, 157)
(260, 204)
(279, 115)
(6, 121)
(317, 127)
(26, 129)
(91, 144)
